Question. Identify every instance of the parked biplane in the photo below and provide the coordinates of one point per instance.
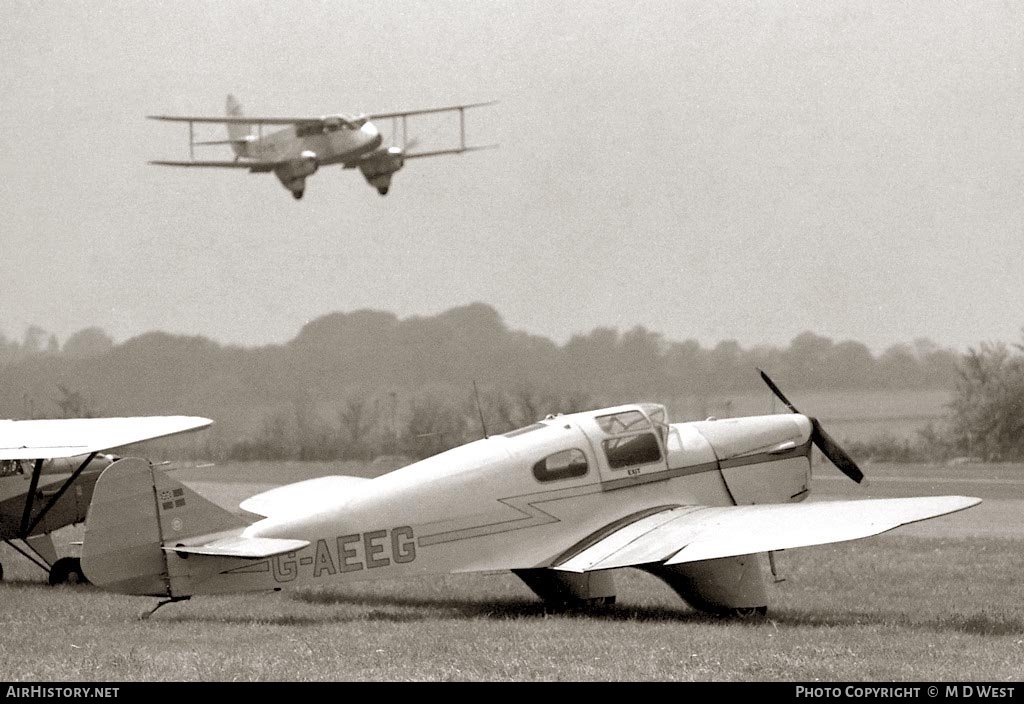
(304, 144)
(48, 469)
(562, 503)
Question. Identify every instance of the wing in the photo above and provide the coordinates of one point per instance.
(427, 111)
(67, 437)
(254, 166)
(239, 120)
(692, 533)
(455, 150)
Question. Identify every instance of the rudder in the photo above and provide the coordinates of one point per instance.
(237, 132)
(136, 510)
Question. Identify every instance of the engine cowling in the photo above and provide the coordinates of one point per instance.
(305, 165)
(377, 170)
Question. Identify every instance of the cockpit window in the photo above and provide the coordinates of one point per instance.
(632, 450)
(561, 465)
(656, 412)
(623, 422)
(523, 430)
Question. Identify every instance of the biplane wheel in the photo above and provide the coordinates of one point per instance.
(749, 614)
(67, 570)
(383, 190)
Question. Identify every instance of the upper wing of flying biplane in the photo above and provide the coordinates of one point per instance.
(307, 120)
(692, 533)
(68, 437)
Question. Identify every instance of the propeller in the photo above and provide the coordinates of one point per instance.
(822, 440)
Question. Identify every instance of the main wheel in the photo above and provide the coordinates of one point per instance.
(67, 570)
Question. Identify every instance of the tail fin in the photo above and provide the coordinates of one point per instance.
(237, 132)
(135, 511)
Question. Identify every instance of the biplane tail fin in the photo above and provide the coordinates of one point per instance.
(237, 132)
(136, 511)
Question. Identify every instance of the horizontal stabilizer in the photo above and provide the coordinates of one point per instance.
(237, 546)
(692, 533)
(301, 497)
(68, 437)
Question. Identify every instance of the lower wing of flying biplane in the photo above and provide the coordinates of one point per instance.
(48, 469)
(303, 144)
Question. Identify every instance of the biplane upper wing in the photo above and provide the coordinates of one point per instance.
(692, 533)
(307, 120)
(68, 437)
(427, 111)
(239, 119)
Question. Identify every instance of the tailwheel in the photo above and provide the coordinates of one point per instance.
(297, 195)
(748, 614)
(67, 570)
(1, 571)
(383, 190)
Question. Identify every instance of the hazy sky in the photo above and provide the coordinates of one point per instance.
(728, 170)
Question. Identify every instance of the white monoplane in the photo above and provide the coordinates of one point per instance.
(563, 503)
(304, 144)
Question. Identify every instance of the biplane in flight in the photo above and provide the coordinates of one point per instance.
(304, 144)
(48, 469)
(562, 503)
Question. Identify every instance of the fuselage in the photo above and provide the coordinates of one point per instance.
(513, 501)
(334, 143)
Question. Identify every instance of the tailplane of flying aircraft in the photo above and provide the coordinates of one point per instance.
(302, 145)
(48, 469)
(563, 503)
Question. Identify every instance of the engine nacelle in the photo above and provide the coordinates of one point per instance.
(377, 169)
(292, 174)
(305, 165)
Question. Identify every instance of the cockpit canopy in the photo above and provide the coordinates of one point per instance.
(331, 123)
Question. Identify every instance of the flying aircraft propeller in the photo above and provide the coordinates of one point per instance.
(822, 440)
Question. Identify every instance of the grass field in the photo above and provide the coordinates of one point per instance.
(946, 604)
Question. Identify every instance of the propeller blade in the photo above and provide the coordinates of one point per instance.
(822, 440)
(836, 454)
(778, 392)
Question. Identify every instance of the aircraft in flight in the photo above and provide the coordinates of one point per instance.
(48, 470)
(304, 144)
(562, 503)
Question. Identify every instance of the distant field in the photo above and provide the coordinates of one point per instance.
(849, 415)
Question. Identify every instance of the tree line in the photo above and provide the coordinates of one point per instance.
(352, 385)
